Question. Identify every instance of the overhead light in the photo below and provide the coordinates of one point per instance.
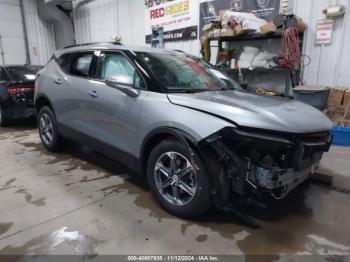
(333, 11)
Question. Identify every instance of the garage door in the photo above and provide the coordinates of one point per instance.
(11, 33)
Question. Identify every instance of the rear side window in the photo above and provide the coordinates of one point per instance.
(77, 64)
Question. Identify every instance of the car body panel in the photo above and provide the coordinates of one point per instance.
(236, 133)
(113, 116)
(255, 111)
(157, 112)
(69, 99)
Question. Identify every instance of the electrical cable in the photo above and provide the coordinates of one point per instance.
(291, 48)
(293, 58)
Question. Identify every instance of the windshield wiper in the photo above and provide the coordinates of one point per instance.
(226, 89)
(222, 89)
(188, 91)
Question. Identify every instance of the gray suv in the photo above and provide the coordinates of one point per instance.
(199, 138)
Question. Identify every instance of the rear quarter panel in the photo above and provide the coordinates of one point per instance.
(63, 98)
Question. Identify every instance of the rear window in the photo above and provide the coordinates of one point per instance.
(77, 64)
(23, 73)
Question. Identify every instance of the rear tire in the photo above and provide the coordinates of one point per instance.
(3, 120)
(48, 130)
(183, 194)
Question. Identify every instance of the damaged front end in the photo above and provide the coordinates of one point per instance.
(251, 162)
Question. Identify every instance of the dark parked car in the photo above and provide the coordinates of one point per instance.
(17, 92)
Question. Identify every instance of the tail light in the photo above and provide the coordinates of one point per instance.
(14, 90)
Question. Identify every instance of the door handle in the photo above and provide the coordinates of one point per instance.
(58, 81)
(93, 93)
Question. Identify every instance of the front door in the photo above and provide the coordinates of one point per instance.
(113, 114)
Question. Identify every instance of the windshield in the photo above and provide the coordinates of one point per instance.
(23, 73)
(181, 73)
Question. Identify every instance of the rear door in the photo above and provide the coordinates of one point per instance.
(70, 86)
(113, 114)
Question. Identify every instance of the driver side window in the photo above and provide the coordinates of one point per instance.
(113, 64)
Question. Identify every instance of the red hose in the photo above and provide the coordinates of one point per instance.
(291, 48)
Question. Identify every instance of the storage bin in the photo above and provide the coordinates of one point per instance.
(315, 96)
(341, 136)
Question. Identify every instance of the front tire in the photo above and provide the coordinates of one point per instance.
(178, 179)
(48, 130)
(3, 120)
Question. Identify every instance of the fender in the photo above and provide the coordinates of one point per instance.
(180, 135)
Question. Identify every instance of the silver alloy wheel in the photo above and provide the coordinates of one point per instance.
(175, 178)
(46, 128)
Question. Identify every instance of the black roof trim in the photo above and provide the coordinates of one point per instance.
(96, 43)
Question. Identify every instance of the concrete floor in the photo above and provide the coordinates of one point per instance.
(79, 202)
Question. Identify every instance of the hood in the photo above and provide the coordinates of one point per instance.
(256, 111)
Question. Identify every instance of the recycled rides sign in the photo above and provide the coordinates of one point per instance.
(178, 18)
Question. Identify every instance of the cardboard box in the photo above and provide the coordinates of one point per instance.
(239, 30)
(346, 99)
(223, 57)
(208, 27)
(227, 32)
(336, 96)
(339, 113)
(217, 33)
(268, 28)
(335, 112)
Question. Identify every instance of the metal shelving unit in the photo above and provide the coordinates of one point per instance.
(292, 76)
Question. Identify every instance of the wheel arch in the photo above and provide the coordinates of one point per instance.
(42, 101)
(158, 135)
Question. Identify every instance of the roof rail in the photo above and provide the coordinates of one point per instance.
(96, 43)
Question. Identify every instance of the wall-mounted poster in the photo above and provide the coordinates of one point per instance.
(178, 18)
(264, 9)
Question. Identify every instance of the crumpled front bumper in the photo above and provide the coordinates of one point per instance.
(245, 161)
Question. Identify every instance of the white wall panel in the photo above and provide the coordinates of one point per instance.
(40, 35)
(11, 32)
(329, 64)
(41, 40)
(97, 21)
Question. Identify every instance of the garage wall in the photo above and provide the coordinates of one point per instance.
(97, 21)
(41, 38)
(11, 32)
(329, 64)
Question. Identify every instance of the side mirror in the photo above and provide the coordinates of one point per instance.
(123, 83)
